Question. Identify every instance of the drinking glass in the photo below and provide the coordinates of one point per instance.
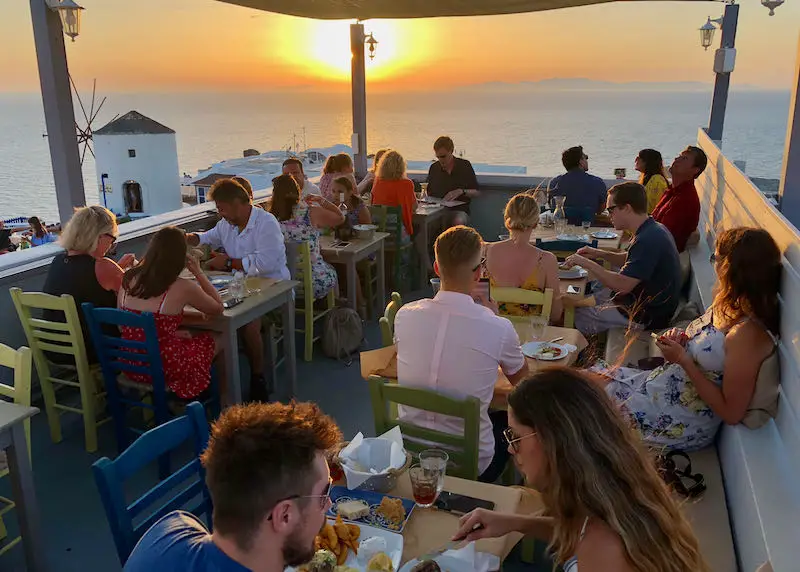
(251, 282)
(586, 225)
(538, 324)
(424, 486)
(424, 194)
(236, 288)
(434, 462)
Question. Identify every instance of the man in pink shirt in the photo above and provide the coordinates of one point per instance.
(453, 345)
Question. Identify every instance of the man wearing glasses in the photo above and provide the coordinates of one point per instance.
(454, 345)
(586, 194)
(452, 178)
(270, 487)
(646, 289)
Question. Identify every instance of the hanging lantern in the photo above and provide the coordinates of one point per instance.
(70, 13)
(707, 34)
(372, 43)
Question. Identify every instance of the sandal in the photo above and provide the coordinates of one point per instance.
(682, 481)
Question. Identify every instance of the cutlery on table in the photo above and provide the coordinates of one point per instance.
(448, 546)
(554, 340)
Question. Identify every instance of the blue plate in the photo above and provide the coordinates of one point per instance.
(373, 499)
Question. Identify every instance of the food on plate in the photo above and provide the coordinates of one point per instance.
(427, 566)
(369, 547)
(392, 510)
(549, 351)
(352, 509)
(338, 538)
(323, 561)
(345, 569)
(380, 563)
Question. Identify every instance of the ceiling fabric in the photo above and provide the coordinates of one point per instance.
(366, 9)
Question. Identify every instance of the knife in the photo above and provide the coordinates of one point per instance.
(448, 546)
(554, 340)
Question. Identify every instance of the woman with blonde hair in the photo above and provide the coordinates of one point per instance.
(369, 180)
(606, 506)
(83, 270)
(516, 263)
(336, 166)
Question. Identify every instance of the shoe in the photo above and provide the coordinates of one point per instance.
(258, 389)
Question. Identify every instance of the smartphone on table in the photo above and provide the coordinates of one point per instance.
(460, 504)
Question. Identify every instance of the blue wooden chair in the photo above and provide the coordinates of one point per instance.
(115, 355)
(185, 488)
(563, 248)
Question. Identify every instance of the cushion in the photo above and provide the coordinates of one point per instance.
(764, 405)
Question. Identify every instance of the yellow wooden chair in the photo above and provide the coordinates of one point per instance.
(310, 315)
(387, 321)
(20, 362)
(65, 338)
(521, 296)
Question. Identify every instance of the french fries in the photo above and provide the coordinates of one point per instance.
(339, 538)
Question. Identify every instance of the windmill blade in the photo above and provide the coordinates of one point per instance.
(94, 90)
(97, 111)
(78, 95)
(92, 151)
(83, 154)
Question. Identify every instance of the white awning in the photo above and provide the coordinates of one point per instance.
(367, 9)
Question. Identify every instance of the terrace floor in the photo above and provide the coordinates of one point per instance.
(74, 527)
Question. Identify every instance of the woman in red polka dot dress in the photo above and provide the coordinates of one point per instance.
(155, 286)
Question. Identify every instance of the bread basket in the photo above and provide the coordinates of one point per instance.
(365, 231)
(382, 483)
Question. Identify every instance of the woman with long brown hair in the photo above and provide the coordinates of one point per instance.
(154, 285)
(654, 177)
(606, 506)
(336, 166)
(711, 367)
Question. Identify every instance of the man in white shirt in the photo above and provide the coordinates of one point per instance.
(294, 167)
(253, 243)
(453, 345)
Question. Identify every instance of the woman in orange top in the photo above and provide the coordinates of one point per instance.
(393, 188)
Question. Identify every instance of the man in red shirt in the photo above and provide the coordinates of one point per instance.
(679, 207)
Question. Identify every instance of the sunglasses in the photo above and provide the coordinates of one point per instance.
(323, 502)
(111, 236)
(612, 208)
(713, 258)
(513, 441)
(480, 264)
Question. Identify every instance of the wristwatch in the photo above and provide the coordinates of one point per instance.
(229, 264)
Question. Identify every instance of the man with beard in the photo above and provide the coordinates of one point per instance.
(253, 243)
(269, 485)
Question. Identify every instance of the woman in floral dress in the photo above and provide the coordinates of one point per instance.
(300, 222)
(155, 286)
(711, 368)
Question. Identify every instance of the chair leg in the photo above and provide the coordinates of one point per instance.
(88, 402)
(3, 529)
(53, 418)
(368, 292)
(308, 316)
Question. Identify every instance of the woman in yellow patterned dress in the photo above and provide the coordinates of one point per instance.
(517, 263)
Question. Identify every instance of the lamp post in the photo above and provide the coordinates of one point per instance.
(724, 61)
(51, 21)
(358, 82)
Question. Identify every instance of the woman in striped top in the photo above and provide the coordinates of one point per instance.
(606, 506)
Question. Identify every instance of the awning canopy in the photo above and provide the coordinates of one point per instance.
(367, 9)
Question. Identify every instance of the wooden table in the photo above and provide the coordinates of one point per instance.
(273, 294)
(546, 234)
(427, 214)
(428, 529)
(352, 254)
(12, 440)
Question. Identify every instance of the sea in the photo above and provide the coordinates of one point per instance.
(498, 126)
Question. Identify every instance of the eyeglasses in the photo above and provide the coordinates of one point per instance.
(480, 264)
(513, 440)
(324, 498)
(440, 157)
(713, 258)
(111, 236)
(612, 208)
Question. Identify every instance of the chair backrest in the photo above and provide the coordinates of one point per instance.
(291, 258)
(65, 338)
(120, 356)
(462, 449)
(387, 321)
(302, 271)
(529, 297)
(129, 522)
(20, 393)
(389, 219)
(563, 248)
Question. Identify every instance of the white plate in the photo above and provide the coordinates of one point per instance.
(573, 273)
(575, 237)
(220, 281)
(445, 562)
(532, 350)
(604, 234)
(394, 547)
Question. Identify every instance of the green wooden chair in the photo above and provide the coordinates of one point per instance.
(368, 274)
(462, 449)
(522, 296)
(310, 315)
(390, 219)
(387, 321)
(65, 338)
(20, 393)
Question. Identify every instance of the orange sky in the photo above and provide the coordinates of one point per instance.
(166, 45)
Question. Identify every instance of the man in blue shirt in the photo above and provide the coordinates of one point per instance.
(270, 487)
(586, 194)
(646, 289)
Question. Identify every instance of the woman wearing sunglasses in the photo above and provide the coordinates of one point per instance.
(606, 506)
(83, 270)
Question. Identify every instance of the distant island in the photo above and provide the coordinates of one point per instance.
(585, 84)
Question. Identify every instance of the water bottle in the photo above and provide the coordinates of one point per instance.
(560, 215)
(342, 205)
(237, 286)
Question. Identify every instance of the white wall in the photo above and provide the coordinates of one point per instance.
(760, 467)
(155, 168)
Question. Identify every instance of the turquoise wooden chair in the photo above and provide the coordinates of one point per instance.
(390, 219)
(129, 522)
(462, 449)
(387, 320)
(310, 315)
(563, 248)
(19, 361)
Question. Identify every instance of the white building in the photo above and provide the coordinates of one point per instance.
(137, 166)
